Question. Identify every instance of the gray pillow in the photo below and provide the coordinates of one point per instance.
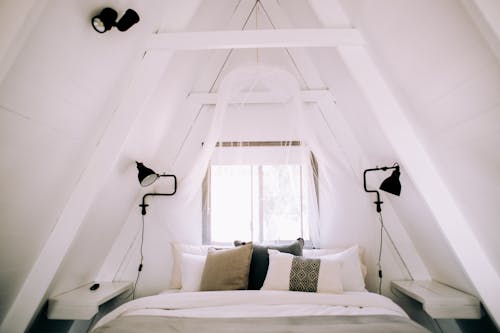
(260, 260)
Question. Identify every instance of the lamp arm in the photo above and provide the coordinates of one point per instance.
(378, 202)
(143, 205)
(364, 178)
(175, 182)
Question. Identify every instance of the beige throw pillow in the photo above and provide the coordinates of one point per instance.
(227, 269)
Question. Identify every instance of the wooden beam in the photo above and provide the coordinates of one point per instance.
(308, 96)
(245, 39)
(36, 285)
(426, 178)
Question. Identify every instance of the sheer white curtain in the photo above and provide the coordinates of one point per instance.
(303, 127)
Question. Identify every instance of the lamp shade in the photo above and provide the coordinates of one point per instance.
(392, 184)
(146, 175)
(105, 20)
(128, 19)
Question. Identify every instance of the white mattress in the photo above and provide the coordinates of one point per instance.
(256, 303)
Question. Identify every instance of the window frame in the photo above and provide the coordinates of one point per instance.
(206, 204)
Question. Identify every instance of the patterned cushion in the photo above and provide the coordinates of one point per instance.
(304, 274)
(294, 273)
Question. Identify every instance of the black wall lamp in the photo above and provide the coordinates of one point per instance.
(390, 185)
(147, 177)
(106, 19)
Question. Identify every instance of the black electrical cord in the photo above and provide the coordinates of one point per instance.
(379, 264)
(382, 229)
(139, 269)
(92, 322)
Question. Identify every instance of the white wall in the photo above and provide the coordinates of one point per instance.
(347, 215)
(55, 101)
(449, 80)
(60, 92)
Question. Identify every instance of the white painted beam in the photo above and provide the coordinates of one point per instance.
(426, 178)
(342, 132)
(256, 97)
(244, 39)
(331, 14)
(35, 287)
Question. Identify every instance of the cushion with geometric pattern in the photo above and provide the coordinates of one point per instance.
(296, 273)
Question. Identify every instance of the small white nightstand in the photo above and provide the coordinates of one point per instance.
(83, 303)
(441, 301)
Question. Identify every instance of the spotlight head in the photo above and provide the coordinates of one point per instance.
(145, 175)
(128, 19)
(105, 20)
(392, 184)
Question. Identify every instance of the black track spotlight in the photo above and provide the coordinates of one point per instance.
(128, 19)
(106, 19)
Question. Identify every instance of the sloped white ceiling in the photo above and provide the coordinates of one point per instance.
(450, 79)
(56, 99)
(62, 89)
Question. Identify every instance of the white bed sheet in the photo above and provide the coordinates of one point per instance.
(256, 303)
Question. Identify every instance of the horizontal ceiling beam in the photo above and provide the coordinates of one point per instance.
(257, 97)
(245, 39)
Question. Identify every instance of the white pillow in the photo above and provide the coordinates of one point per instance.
(315, 253)
(177, 250)
(285, 270)
(192, 270)
(352, 275)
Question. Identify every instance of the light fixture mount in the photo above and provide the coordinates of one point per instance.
(390, 185)
(106, 19)
(147, 177)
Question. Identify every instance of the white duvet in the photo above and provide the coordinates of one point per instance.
(256, 303)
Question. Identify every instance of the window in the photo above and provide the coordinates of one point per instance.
(247, 200)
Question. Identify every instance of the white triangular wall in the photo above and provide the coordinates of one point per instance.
(61, 88)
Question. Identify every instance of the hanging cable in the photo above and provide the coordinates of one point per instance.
(92, 322)
(382, 230)
(379, 264)
(126, 255)
(287, 50)
(397, 251)
(439, 326)
(139, 269)
(257, 3)
(211, 89)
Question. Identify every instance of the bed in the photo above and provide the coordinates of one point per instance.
(209, 296)
(259, 311)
